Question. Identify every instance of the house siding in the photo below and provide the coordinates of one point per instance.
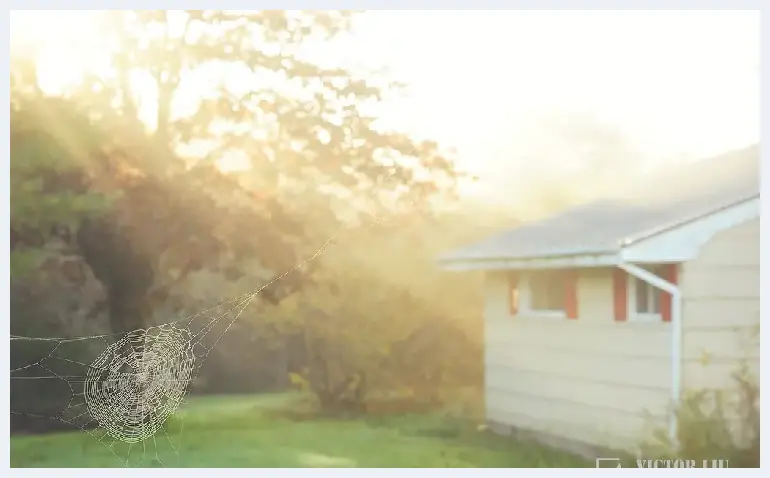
(721, 309)
(592, 380)
(607, 383)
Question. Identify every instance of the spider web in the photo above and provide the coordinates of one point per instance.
(121, 389)
(125, 389)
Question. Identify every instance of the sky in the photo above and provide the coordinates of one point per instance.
(673, 83)
(676, 83)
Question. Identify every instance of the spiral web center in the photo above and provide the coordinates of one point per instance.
(136, 382)
(139, 381)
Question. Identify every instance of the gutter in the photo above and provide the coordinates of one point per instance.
(552, 262)
(558, 254)
(676, 339)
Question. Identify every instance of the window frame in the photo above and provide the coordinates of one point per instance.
(526, 296)
(632, 313)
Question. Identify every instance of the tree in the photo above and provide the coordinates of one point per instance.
(292, 117)
(297, 122)
(50, 169)
(380, 323)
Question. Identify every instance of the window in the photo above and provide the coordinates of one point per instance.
(543, 293)
(636, 300)
(647, 298)
(644, 298)
(547, 291)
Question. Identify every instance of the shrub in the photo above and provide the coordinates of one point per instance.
(716, 424)
(384, 331)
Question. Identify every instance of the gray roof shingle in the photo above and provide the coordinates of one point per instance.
(660, 201)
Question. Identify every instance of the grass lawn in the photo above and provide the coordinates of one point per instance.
(246, 432)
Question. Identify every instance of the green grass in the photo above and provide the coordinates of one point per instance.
(246, 432)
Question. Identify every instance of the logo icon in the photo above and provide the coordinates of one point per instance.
(608, 463)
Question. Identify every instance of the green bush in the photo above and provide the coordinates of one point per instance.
(383, 330)
(715, 424)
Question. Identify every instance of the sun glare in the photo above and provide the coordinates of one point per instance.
(33, 29)
(665, 114)
(63, 44)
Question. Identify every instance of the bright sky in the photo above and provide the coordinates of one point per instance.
(674, 81)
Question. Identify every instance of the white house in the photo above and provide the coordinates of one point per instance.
(599, 318)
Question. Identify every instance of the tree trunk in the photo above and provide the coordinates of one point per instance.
(126, 274)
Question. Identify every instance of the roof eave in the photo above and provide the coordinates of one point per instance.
(674, 244)
(593, 259)
(650, 233)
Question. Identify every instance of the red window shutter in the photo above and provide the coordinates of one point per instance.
(669, 274)
(620, 294)
(513, 293)
(570, 302)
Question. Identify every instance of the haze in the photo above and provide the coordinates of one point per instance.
(503, 87)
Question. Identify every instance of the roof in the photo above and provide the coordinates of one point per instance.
(660, 202)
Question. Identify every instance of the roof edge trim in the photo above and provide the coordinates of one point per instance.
(602, 259)
(690, 219)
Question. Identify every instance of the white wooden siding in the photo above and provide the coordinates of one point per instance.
(591, 379)
(606, 383)
(721, 308)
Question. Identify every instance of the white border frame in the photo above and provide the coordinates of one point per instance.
(428, 4)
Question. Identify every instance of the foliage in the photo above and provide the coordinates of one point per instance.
(156, 229)
(718, 424)
(296, 119)
(54, 158)
(712, 427)
(53, 148)
(380, 322)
